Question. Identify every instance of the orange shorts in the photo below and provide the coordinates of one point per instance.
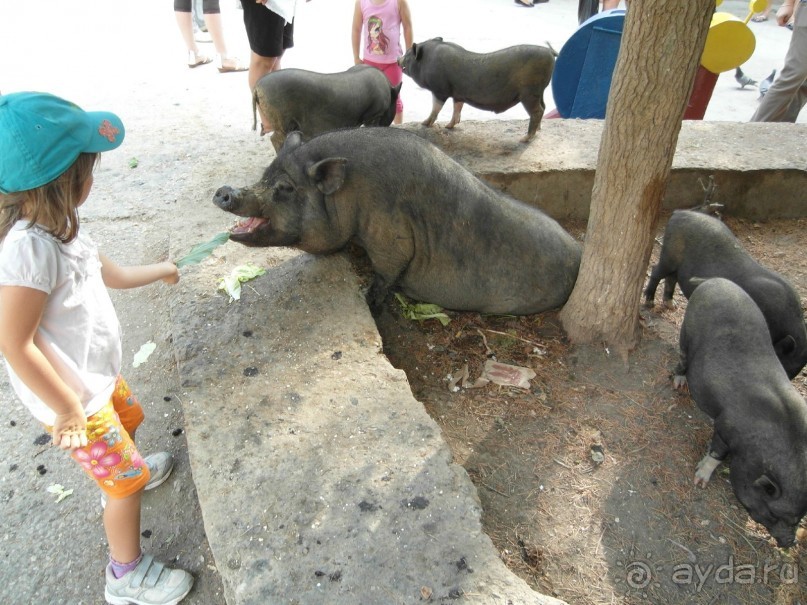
(110, 457)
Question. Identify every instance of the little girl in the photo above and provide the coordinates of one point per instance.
(59, 332)
(381, 22)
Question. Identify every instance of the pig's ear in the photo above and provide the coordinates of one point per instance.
(769, 485)
(293, 140)
(785, 346)
(418, 50)
(396, 90)
(328, 174)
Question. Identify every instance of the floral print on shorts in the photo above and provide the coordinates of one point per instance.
(110, 457)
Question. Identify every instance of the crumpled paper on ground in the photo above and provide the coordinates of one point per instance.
(496, 372)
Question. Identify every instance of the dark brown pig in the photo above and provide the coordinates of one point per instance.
(313, 103)
(430, 228)
(491, 81)
(760, 419)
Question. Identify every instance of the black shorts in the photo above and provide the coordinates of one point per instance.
(268, 33)
(209, 7)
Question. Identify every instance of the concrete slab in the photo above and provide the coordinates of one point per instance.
(759, 170)
(321, 479)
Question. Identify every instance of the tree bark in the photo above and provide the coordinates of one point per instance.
(661, 46)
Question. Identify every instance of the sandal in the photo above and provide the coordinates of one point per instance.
(759, 18)
(195, 60)
(229, 65)
(526, 3)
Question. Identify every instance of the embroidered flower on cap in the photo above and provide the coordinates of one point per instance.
(108, 130)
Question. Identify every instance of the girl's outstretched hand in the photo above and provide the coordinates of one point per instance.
(172, 272)
(70, 430)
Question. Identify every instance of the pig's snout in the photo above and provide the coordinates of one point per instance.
(786, 538)
(226, 198)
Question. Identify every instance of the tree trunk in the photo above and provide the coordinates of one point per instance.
(658, 58)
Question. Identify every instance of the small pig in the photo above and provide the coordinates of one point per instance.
(493, 81)
(430, 228)
(313, 103)
(698, 246)
(729, 365)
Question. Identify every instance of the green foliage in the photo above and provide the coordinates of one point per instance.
(422, 311)
(201, 251)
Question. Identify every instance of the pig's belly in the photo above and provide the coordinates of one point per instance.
(507, 295)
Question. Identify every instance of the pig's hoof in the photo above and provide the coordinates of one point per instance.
(680, 383)
(649, 304)
(669, 304)
(704, 470)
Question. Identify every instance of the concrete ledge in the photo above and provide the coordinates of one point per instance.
(760, 169)
(320, 477)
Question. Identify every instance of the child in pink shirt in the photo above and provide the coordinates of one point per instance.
(377, 26)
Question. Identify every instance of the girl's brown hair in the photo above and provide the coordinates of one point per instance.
(54, 205)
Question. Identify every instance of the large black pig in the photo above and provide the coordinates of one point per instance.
(698, 246)
(491, 81)
(313, 103)
(730, 367)
(430, 228)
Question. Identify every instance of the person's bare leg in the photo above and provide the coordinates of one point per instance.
(122, 526)
(185, 23)
(216, 31)
(258, 67)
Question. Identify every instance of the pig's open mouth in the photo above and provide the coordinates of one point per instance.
(247, 226)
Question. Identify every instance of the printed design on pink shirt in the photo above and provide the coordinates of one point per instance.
(377, 40)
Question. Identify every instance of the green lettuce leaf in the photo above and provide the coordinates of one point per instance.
(201, 251)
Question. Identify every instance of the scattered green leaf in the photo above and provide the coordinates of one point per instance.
(201, 251)
(133, 162)
(243, 273)
(143, 354)
(60, 491)
(422, 311)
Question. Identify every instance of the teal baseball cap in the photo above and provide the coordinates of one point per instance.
(41, 135)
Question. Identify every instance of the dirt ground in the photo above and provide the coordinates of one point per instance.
(586, 478)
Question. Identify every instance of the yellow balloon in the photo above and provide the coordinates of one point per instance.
(757, 6)
(729, 43)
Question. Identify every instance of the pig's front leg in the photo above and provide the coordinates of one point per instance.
(680, 371)
(377, 293)
(705, 468)
(718, 450)
(455, 117)
(669, 290)
(437, 105)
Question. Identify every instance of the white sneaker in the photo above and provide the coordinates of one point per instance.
(150, 583)
(160, 466)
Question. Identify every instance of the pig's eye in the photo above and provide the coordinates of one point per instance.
(284, 189)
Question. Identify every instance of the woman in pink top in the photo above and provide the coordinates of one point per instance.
(377, 26)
